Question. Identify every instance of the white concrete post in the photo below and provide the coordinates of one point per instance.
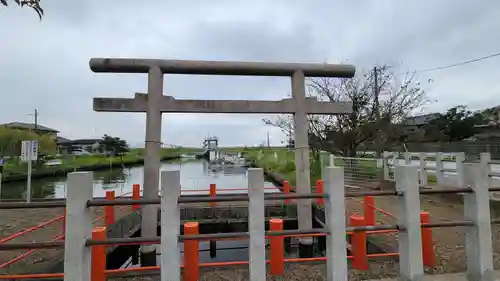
(336, 263)
(78, 226)
(260, 155)
(478, 245)
(407, 156)
(423, 171)
(410, 240)
(439, 169)
(170, 226)
(459, 163)
(256, 225)
(331, 160)
(485, 158)
(385, 161)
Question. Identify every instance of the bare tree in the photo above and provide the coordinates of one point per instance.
(34, 4)
(345, 134)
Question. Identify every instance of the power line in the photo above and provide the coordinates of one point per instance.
(459, 63)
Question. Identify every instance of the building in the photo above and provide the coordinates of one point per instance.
(35, 128)
(487, 131)
(491, 129)
(414, 126)
(79, 146)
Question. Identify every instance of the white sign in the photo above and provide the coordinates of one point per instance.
(29, 151)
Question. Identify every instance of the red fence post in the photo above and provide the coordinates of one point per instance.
(98, 255)
(136, 195)
(277, 262)
(191, 253)
(213, 193)
(320, 189)
(109, 211)
(358, 243)
(286, 190)
(428, 256)
(369, 210)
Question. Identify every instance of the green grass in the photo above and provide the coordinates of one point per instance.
(283, 164)
(168, 151)
(16, 167)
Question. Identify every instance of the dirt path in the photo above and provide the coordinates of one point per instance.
(14, 221)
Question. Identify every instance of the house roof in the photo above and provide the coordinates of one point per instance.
(420, 119)
(29, 126)
(85, 141)
(61, 140)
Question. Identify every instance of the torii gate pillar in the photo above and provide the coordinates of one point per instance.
(302, 165)
(152, 165)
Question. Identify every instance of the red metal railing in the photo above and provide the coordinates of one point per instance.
(109, 217)
(277, 260)
(191, 263)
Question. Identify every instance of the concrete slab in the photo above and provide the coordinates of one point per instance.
(442, 277)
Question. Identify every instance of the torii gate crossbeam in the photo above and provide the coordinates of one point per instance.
(169, 104)
(154, 103)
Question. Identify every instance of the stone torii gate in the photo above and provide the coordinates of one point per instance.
(154, 103)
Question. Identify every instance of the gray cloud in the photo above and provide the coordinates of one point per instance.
(44, 64)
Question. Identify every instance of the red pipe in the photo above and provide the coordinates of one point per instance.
(20, 257)
(31, 229)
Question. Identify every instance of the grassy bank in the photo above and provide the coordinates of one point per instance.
(282, 162)
(15, 170)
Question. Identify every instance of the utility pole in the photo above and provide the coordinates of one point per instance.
(268, 142)
(376, 93)
(377, 109)
(36, 120)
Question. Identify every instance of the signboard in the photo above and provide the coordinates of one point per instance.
(29, 150)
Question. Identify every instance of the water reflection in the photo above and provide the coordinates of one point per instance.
(237, 250)
(196, 177)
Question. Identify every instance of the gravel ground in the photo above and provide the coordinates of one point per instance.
(448, 243)
(309, 271)
(13, 221)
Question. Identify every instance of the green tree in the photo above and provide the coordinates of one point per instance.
(34, 4)
(11, 139)
(113, 145)
(456, 124)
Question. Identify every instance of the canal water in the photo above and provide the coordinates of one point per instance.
(196, 177)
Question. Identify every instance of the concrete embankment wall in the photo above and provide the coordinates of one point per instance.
(64, 171)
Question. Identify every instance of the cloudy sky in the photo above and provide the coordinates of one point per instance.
(44, 65)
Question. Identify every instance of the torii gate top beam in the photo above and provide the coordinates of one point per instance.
(122, 65)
